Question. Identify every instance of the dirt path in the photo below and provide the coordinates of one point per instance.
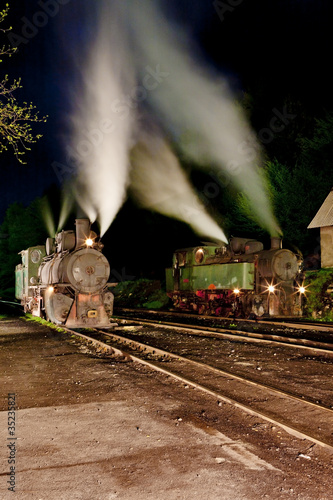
(88, 427)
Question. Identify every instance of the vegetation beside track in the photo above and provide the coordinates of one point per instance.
(30, 317)
(142, 293)
(319, 295)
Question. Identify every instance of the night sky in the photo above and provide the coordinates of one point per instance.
(274, 48)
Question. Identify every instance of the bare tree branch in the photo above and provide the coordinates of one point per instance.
(15, 118)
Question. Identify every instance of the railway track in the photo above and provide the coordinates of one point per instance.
(295, 413)
(283, 335)
(285, 322)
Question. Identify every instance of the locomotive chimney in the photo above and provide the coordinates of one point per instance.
(276, 243)
(82, 227)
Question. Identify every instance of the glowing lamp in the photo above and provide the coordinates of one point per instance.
(301, 289)
(89, 242)
(236, 291)
(50, 289)
(271, 289)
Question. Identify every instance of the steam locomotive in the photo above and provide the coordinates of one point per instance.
(238, 279)
(65, 280)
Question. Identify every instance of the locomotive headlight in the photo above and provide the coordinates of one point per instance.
(301, 289)
(89, 242)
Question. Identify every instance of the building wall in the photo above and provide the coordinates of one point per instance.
(326, 244)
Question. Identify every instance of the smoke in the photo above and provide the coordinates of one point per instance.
(139, 61)
(101, 126)
(67, 204)
(159, 183)
(48, 217)
(195, 102)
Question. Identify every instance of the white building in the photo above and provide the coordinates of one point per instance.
(324, 220)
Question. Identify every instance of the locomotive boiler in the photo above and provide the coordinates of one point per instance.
(239, 279)
(65, 281)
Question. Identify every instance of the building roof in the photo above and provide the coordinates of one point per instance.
(324, 216)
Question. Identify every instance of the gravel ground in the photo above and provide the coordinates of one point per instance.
(302, 371)
(94, 427)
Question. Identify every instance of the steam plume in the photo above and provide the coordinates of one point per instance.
(135, 44)
(195, 99)
(101, 128)
(159, 183)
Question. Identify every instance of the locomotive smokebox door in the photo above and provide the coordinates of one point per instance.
(285, 265)
(87, 270)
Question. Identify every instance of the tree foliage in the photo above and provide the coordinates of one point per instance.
(319, 303)
(15, 118)
(21, 228)
(299, 191)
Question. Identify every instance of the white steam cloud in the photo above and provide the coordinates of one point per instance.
(138, 60)
(194, 99)
(159, 183)
(101, 137)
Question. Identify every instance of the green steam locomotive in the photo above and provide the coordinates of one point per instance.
(239, 279)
